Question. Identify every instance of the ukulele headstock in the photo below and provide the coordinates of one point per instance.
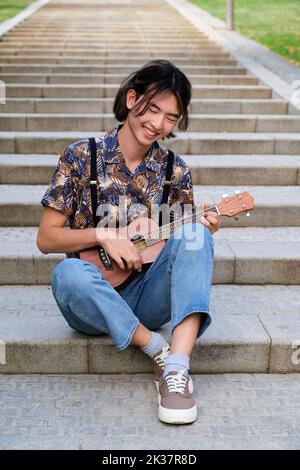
(235, 204)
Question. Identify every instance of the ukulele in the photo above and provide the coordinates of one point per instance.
(149, 238)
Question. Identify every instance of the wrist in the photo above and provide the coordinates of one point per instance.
(100, 235)
(103, 234)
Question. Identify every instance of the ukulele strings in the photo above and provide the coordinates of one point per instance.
(187, 217)
(180, 221)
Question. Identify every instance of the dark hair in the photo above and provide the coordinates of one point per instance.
(155, 77)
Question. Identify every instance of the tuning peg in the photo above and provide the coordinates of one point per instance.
(248, 214)
(224, 196)
(237, 192)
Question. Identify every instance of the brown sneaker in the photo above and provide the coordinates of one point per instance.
(159, 365)
(176, 405)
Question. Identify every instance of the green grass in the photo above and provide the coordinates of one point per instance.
(10, 8)
(273, 23)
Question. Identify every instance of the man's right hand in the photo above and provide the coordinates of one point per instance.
(120, 249)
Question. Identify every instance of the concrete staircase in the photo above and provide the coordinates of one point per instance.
(62, 68)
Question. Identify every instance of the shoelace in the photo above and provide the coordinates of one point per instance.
(160, 360)
(176, 383)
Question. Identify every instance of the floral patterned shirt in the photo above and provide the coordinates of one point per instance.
(69, 190)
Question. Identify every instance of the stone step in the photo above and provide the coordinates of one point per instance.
(100, 122)
(135, 45)
(105, 105)
(141, 28)
(147, 55)
(169, 35)
(94, 79)
(253, 330)
(147, 34)
(46, 20)
(59, 26)
(113, 69)
(42, 21)
(267, 170)
(188, 143)
(275, 206)
(138, 24)
(233, 143)
(27, 169)
(178, 26)
(156, 40)
(106, 40)
(56, 59)
(249, 255)
(109, 91)
(131, 47)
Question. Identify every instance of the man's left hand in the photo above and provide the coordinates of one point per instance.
(210, 219)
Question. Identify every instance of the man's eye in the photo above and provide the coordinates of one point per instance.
(153, 110)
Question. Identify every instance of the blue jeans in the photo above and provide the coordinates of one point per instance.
(176, 284)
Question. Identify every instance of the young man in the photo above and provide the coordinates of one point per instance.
(176, 286)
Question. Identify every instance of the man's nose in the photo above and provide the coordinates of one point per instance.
(158, 121)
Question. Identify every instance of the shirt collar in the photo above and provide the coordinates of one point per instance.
(113, 154)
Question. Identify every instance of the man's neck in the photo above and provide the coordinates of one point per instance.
(132, 151)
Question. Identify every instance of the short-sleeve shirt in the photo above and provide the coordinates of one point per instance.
(69, 190)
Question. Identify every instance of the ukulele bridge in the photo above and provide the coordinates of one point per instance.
(139, 242)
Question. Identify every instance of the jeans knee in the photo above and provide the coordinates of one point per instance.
(64, 274)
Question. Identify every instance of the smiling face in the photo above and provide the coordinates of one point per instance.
(159, 119)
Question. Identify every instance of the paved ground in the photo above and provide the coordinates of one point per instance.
(235, 411)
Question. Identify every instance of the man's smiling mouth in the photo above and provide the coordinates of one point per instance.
(150, 133)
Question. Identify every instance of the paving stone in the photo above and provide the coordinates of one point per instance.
(234, 425)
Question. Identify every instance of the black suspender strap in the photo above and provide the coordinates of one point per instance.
(167, 185)
(103, 255)
(93, 180)
(169, 171)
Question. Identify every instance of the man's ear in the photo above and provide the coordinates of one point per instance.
(131, 99)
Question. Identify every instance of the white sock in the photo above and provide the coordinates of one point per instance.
(156, 343)
(176, 362)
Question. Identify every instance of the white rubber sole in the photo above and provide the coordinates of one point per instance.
(176, 416)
